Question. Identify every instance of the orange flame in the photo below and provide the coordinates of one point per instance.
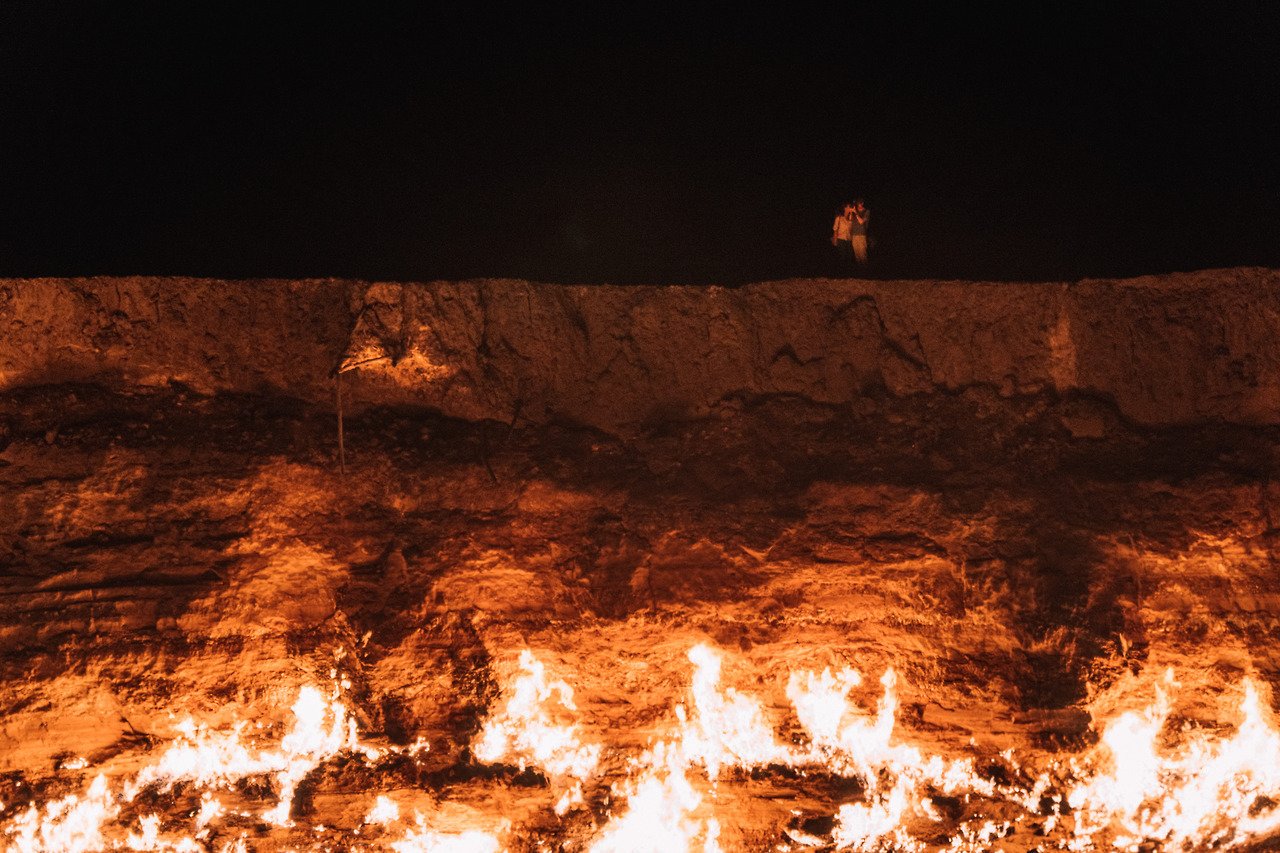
(1142, 787)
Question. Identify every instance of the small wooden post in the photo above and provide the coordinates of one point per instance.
(342, 452)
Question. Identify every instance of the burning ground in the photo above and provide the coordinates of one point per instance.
(991, 615)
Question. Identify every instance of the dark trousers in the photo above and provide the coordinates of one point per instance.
(844, 256)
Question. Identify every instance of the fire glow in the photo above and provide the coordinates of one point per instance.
(1141, 787)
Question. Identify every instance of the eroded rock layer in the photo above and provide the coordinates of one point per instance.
(1166, 350)
(1029, 501)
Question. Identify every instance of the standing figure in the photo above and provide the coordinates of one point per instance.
(858, 230)
(842, 237)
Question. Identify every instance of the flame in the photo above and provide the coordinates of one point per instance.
(67, 825)
(149, 838)
(1209, 792)
(1147, 785)
(724, 729)
(321, 729)
(384, 811)
(528, 733)
(211, 809)
(728, 729)
(1216, 791)
(660, 801)
(420, 839)
(862, 826)
(201, 757)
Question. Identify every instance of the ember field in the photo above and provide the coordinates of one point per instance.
(640, 569)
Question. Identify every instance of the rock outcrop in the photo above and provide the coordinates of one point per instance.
(1170, 350)
(1167, 350)
(244, 337)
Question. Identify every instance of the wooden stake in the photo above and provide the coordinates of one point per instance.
(342, 452)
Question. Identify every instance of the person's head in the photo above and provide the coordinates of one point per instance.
(858, 204)
(848, 208)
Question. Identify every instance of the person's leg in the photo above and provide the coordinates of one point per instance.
(844, 256)
(860, 247)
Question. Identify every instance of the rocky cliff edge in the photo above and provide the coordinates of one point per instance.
(1165, 350)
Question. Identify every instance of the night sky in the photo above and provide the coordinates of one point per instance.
(623, 144)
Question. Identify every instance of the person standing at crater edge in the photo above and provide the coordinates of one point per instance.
(858, 230)
(841, 237)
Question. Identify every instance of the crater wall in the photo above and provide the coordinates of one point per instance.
(1166, 350)
(1030, 502)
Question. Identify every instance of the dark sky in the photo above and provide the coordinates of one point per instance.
(602, 143)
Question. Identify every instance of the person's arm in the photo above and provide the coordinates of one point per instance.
(835, 229)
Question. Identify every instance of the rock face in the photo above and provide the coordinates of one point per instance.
(251, 337)
(1172, 350)
(1028, 500)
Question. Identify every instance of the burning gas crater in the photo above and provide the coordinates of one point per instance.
(1142, 787)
